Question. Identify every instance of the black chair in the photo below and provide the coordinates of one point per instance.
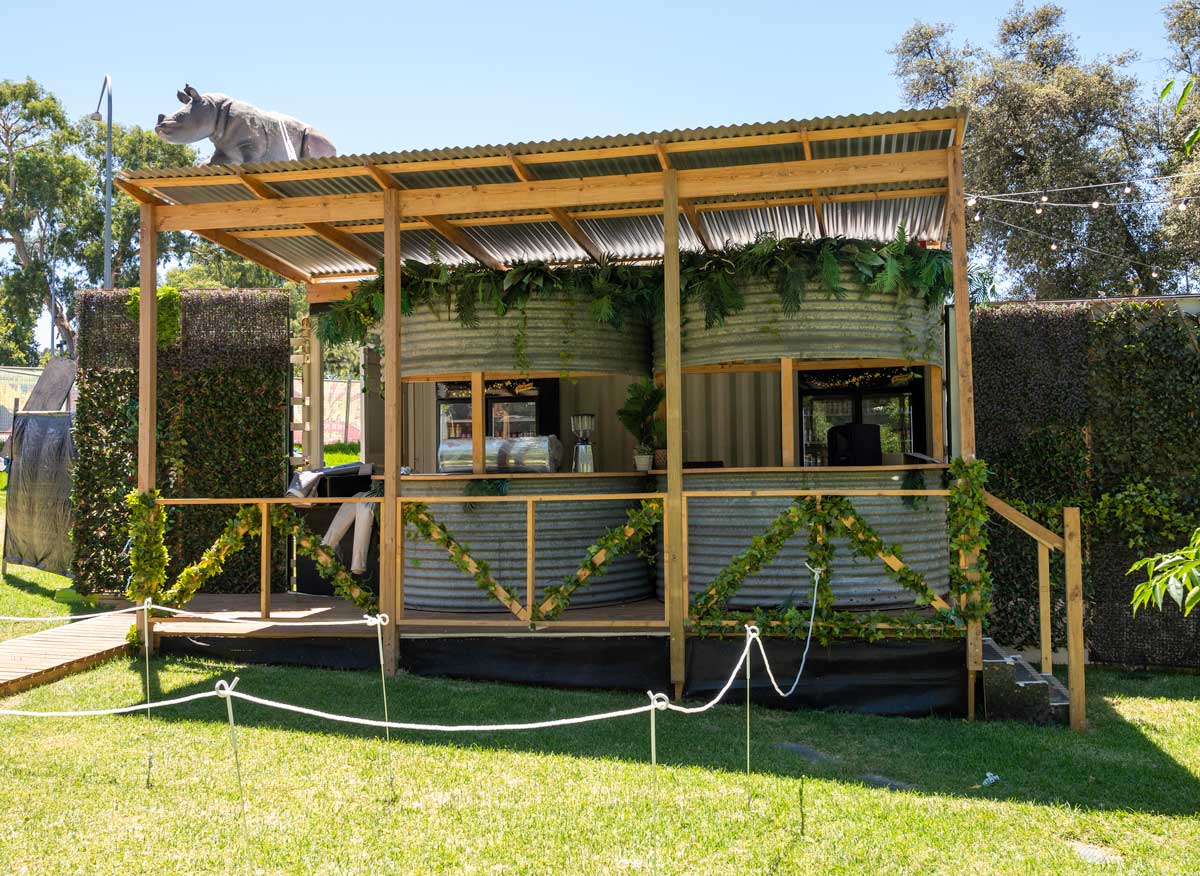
(855, 444)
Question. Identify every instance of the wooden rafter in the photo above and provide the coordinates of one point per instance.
(565, 220)
(343, 240)
(686, 204)
(634, 188)
(442, 225)
(816, 197)
(223, 238)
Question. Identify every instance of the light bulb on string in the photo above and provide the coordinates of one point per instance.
(1183, 205)
(972, 201)
(1039, 209)
(1154, 273)
(1054, 247)
(1045, 198)
(1095, 205)
(1128, 187)
(978, 215)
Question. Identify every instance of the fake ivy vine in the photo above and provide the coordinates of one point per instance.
(640, 524)
(821, 516)
(966, 518)
(148, 554)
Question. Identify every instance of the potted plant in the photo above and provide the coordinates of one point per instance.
(638, 416)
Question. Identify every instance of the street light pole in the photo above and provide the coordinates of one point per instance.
(106, 90)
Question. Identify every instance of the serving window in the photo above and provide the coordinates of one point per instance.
(853, 406)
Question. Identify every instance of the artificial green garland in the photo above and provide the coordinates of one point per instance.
(639, 525)
(966, 518)
(620, 293)
(821, 516)
(148, 553)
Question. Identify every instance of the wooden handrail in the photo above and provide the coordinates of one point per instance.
(1025, 523)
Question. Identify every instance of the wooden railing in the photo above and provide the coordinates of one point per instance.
(1069, 544)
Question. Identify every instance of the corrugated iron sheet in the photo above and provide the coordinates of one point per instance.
(555, 339)
(719, 529)
(496, 533)
(622, 237)
(861, 325)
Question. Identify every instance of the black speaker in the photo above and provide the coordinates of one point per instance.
(855, 444)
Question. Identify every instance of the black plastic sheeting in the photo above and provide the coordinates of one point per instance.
(638, 663)
(37, 528)
(913, 678)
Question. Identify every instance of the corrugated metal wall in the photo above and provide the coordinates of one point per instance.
(733, 419)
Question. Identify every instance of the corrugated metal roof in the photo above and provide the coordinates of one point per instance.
(627, 236)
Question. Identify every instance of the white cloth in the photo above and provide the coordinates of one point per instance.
(362, 515)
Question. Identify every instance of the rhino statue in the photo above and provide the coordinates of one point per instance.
(241, 133)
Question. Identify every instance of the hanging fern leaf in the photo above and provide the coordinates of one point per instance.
(831, 269)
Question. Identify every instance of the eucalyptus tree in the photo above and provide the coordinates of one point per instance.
(1044, 117)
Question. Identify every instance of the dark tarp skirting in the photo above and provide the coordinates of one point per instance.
(38, 514)
(914, 678)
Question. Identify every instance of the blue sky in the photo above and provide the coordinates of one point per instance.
(378, 76)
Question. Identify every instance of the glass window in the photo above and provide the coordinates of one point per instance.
(821, 413)
(893, 414)
(454, 420)
(514, 419)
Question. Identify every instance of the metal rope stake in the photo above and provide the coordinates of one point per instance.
(751, 633)
(224, 689)
(380, 621)
(658, 703)
(146, 606)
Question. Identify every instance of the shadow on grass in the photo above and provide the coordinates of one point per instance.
(1114, 766)
(35, 582)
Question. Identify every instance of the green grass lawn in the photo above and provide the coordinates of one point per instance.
(583, 799)
(327, 799)
(337, 454)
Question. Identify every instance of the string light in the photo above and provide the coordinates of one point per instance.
(1055, 244)
(972, 201)
(1095, 205)
(1183, 205)
(1054, 247)
(1154, 273)
(978, 214)
(1128, 187)
(1044, 193)
(1045, 196)
(1039, 209)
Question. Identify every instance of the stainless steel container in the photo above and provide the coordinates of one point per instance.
(719, 529)
(495, 532)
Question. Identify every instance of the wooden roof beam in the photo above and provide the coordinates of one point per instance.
(565, 221)
(816, 197)
(221, 238)
(442, 225)
(343, 240)
(633, 188)
(686, 204)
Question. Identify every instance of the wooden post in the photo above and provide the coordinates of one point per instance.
(673, 516)
(264, 563)
(147, 462)
(316, 399)
(1044, 607)
(530, 559)
(390, 570)
(147, 353)
(1072, 536)
(937, 411)
(962, 305)
(478, 424)
(787, 406)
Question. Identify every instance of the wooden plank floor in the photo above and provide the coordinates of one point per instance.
(51, 654)
(645, 617)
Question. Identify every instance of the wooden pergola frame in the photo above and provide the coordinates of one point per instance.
(237, 223)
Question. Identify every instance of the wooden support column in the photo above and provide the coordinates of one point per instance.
(673, 520)
(1045, 641)
(147, 459)
(1073, 539)
(478, 424)
(264, 561)
(937, 414)
(530, 558)
(148, 354)
(389, 552)
(962, 306)
(787, 404)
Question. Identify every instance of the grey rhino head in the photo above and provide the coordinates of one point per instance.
(195, 120)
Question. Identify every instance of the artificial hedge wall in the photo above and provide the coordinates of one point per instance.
(222, 419)
(1095, 408)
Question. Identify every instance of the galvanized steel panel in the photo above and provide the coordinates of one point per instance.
(863, 325)
(495, 532)
(439, 344)
(719, 529)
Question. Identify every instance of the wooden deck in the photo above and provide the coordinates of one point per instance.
(51, 654)
(644, 617)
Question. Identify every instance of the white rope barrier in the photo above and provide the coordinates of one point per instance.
(365, 620)
(812, 617)
(119, 710)
(67, 618)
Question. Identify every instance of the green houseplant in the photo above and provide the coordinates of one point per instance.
(638, 416)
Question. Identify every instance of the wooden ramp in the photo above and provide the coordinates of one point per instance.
(54, 653)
